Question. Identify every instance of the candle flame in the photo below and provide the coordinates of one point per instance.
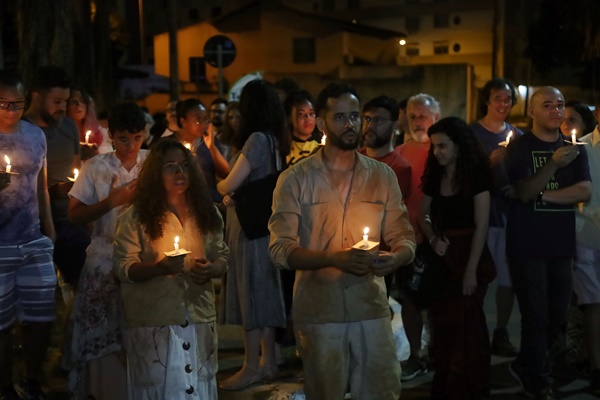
(366, 231)
(510, 133)
(188, 146)
(87, 134)
(574, 132)
(75, 173)
(323, 140)
(176, 239)
(7, 159)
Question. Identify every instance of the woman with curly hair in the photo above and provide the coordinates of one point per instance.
(169, 301)
(252, 295)
(454, 219)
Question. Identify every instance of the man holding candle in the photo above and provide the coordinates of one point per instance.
(498, 96)
(105, 187)
(320, 209)
(380, 121)
(49, 94)
(550, 177)
(27, 278)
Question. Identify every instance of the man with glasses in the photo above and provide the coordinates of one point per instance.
(49, 94)
(27, 278)
(380, 121)
(321, 207)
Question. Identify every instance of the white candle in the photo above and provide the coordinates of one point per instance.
(7, 163)
(573, 136)
(323, 140)
(176, 244)
(188, 146)
(366, 237)
(510, 133)
(75, 174)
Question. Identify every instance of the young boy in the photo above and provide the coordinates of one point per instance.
(27, 277)
(103, 189)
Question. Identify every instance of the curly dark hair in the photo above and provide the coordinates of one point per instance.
(334, 90)
(150, 199)
(262, 111)
(126, 117)
(470, 159)
(48, 77)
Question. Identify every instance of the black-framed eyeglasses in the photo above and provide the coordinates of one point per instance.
(375, 121)
(16, 105)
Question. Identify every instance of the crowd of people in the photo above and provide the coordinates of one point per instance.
(137, 218)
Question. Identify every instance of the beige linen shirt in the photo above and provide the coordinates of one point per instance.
(309, 213)
(165, 300)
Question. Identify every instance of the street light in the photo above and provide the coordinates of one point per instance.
(402, 42)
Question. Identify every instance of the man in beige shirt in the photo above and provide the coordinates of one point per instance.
(320, 209)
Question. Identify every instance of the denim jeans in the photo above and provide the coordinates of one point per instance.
(543, 288)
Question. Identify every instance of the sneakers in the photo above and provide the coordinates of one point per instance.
(8, 393)
(520, 375)
(30, 389)
(501, 346)
(413, 368)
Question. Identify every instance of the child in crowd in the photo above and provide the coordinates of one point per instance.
(104, 187)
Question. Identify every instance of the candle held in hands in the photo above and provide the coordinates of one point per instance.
(75, 174)
(366, 237)
(87, 137)
(508, 137)
(8, 166)
(574, 136)
(323, 140)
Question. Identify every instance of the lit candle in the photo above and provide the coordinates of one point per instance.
(75, 174)
(188, 146)
(87, 137)
(510, 133)
(7, 163)
(366, 237)
(573, 136)
(323, 140)
(176, 244)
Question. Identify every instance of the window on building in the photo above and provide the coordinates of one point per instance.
(197, 69)
(441, 20)
(413, 24)
(412, 49)
(193, 14)
(328, 5)
(440, 47)
(304, 50)
(353, 4)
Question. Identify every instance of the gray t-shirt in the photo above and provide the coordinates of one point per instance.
(19, 211)
(63, 146)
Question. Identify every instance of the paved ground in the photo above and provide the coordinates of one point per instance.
(569, 385)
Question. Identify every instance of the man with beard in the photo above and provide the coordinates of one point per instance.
(217, 114)
(422, 112)
(320, 209)
(49, 93)
(380, 121)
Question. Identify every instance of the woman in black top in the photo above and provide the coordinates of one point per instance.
(454, 218)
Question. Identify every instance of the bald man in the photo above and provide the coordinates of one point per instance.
(550, 176)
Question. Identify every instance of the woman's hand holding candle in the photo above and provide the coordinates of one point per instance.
(171, 265)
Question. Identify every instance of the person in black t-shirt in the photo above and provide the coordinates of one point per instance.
(550, 177)
(454, 219)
